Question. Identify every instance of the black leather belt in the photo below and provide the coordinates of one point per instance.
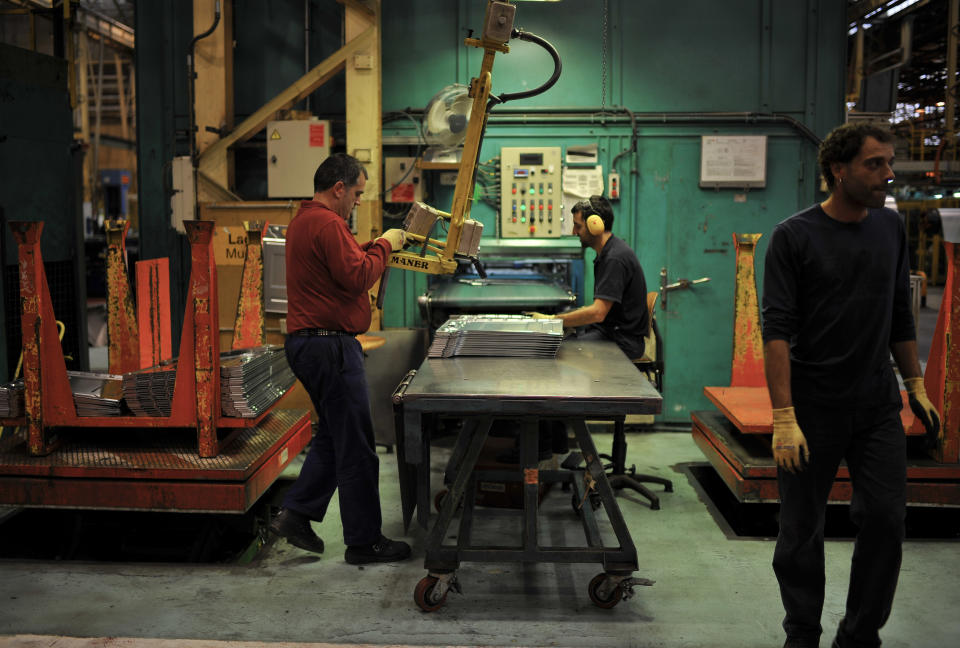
(317, 331)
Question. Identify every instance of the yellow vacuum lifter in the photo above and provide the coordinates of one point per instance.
(463, 236)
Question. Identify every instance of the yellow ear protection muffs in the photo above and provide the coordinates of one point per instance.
(595, 224)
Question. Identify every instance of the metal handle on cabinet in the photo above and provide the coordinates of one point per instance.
(679, 284)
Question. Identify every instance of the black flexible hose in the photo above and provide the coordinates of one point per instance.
(193, 78)
(494, 100)
(557, 68)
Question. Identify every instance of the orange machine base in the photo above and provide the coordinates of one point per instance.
(745, 464)
(151, 469)
(750, 411)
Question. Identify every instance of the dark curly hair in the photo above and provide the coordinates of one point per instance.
(843, 143)
(596, 205)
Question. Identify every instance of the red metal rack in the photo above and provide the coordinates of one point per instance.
(48, 399)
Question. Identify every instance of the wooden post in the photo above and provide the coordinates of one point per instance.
(363, 111)
(213, 63)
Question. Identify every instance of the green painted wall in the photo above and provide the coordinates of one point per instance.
(40, 176)
(668, 63)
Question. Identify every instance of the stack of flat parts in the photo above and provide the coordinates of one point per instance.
(251, 380)
(96, 394)
(149, 392)
(497, 336)
(11, 399)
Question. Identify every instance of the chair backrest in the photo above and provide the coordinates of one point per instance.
(652, 361)
(652, 302)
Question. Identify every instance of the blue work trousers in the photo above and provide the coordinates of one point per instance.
(873, 443)
(343, 454)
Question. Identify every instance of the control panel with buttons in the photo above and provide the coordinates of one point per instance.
(530, 192)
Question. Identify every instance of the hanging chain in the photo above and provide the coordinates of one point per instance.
(603, 58)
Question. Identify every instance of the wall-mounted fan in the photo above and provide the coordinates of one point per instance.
(445, 123)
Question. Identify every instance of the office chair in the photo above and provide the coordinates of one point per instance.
(651, 364)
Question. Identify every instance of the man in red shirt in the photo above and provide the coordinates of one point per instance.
(328, 279)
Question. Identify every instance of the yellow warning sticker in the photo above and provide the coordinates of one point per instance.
(275, 135)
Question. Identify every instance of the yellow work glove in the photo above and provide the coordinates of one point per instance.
(535, 315)
(395, 237)
(788, 441)
(924, 409)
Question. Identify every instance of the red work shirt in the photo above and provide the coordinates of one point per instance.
(328, 274)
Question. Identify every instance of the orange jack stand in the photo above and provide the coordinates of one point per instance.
(942, 376)
(124, 339)
(248, 325)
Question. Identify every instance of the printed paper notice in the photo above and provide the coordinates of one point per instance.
(738, 161)
(578, 184)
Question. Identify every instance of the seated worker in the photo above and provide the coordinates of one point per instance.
(619, 309)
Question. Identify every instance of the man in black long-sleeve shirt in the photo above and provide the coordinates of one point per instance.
(836, 303)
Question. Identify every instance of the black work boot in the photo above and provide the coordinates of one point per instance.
(296, 529)
(383, 550)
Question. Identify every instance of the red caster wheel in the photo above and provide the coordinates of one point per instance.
(421, 594)
(612, 598)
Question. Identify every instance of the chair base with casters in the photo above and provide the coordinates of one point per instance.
(618, 475)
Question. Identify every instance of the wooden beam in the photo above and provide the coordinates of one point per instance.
(83, 103)
(358, 6)
(213, 63)
(121, 95)
(213, 161)
(364, 124)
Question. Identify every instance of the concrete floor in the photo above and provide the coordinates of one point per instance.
(712, 589)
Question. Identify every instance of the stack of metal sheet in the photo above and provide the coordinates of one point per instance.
(149, 392)
(96, 394)
(11, 399)
(497, 335)
(251, 380)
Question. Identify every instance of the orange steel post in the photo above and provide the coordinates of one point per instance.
(248, 324)
(942, 377)
(47, 389)
(206, 331)
(123, 337)
(153, 311)
(747, 369)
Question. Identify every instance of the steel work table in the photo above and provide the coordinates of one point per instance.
(586, 381)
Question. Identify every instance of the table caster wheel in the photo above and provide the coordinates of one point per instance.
(612, 598)
(422, 592)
